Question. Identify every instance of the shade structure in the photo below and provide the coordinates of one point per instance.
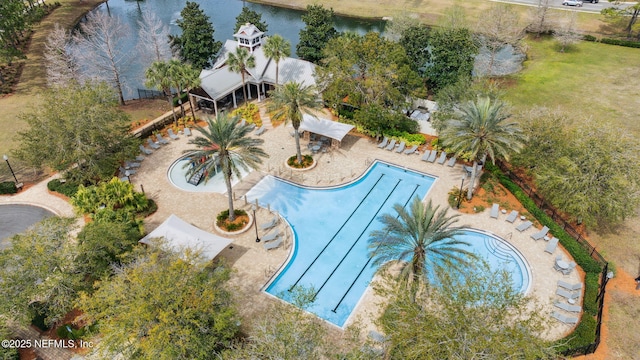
(180, 235)
(325, 127)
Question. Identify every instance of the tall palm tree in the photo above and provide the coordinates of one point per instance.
(226, 143)
(480, 127)
(176, 73)
(419, 240)
(159, 76)
(191, 78)
(289, 102)
(239, 62)
(277, 48)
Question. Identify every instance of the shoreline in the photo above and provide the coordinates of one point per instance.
(300, 6)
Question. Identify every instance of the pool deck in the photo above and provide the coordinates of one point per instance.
(254, 266)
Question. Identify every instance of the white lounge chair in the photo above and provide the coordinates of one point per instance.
(524, 226)
(145, 150)
(412, 150)
(452, 161)
(426, 155)
(384, 142)
(513, 215)
(131, 165)
(433, 155)
(187, 131)
(273, 244)
(271, 236)
(567, 307)
(172, 134)
(269, 224)
(140, 158)
(495, 210)
(564, 319)
(442, 158)
(401, 147)
(572, 287)
(540, 234)
(552, 245)
(391, 145)
(566, 294)
(124, 171)
(260, 130)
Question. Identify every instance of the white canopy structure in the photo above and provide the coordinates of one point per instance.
(325, 127)
(179, 235)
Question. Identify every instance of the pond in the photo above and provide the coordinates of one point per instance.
(222, 13)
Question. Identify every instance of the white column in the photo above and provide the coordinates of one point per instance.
(248, 91)
(215, 107)
(233, 95)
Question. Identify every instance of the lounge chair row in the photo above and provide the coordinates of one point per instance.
(569, 320)
(431, 155)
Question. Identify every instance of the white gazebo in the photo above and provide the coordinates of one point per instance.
(181, 235)
(334, 130)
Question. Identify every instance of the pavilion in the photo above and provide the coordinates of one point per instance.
(221, 88)
(333, 130)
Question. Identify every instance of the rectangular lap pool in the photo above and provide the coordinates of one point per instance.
(332, 227)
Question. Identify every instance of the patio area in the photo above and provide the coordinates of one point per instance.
(254, 266)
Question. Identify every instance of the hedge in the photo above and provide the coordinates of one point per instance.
(584, 334)
(67, 189)
(8, 187)
(627, 43)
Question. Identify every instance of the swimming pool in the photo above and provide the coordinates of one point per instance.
(177, 175)
(331, 228)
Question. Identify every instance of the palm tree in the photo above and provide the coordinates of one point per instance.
(277, 48)
(289, 101)
(419, 240)
(239, 62)
(176, 73)
(226, 143)
(191, 78)
(159, 76)
(480, 128)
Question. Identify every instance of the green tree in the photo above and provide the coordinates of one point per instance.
(474, 315)
(39, 267)
(381, 121)
(190, 77)
(277, 48)
(289, 102)
(78, 125)
(251, 17)
(227, 144)
(317, 32)
(238, 62)
(482, 128)
(415, 41)
(368, 70)
(196, 44)
(452, 54)
(7, 353)
(103, 246)
(158, 76)
(420, 240)
(13, 23)
(165, 305)
(623, 16)
(588, 170)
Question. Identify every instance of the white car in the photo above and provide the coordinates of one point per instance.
(572, 3)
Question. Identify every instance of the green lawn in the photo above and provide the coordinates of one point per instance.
(590, 80)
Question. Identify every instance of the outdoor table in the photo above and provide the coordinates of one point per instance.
(571, 301)
(315, 148)
(562, 264)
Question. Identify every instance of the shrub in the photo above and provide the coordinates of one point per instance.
(183, 97)
(221, 220)
(67, 188)
(589, 38)
(8, 187)
(307, 160)
(627, 43)
(67, 331)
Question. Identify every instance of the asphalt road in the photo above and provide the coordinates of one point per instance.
(557, 4)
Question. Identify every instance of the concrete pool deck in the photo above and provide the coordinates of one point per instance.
(254, 266)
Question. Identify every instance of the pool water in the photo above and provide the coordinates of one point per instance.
(331, 228)
(177, 175)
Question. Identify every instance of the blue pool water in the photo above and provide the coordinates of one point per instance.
(331, 228)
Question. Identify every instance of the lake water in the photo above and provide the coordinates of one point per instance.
(222, 13)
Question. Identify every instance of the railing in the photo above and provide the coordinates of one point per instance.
(150, 94)
(605, 276)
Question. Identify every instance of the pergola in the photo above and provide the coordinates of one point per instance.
(324, 127)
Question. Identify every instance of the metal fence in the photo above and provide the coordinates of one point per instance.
(150, 94)
(569, 229)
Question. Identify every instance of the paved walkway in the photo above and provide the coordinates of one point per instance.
(254, 265)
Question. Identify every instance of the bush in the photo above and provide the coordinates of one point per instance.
(307, 160)
(184, 97)
(589, 38)
(627, 43)
(221, 220)
(67, 331)
(68, 188)
(8, 187)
